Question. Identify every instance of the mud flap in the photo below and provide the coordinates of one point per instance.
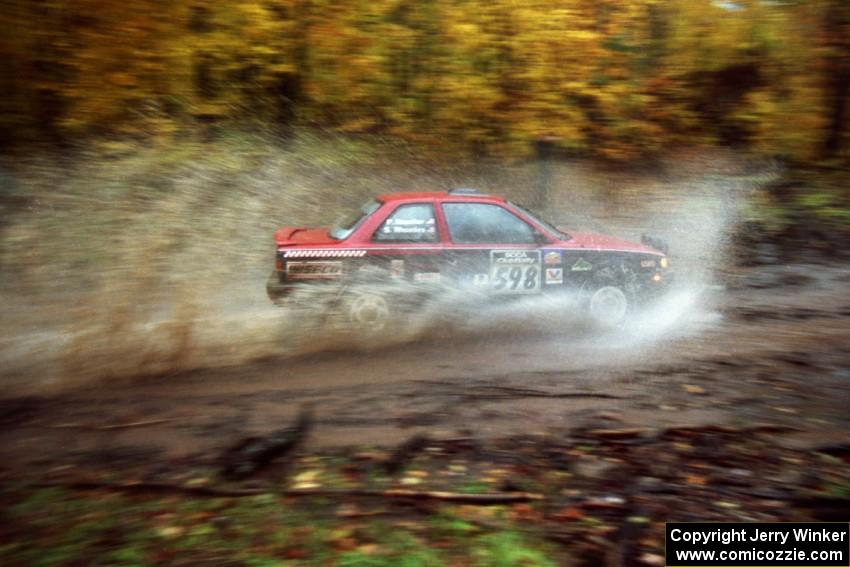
(274, 289)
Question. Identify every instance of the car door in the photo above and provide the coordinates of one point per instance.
(407, 243)
(491, 248)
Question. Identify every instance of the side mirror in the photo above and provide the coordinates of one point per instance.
(540, 238)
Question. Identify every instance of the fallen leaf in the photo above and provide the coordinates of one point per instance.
(569, 514)
(306, 479)
(652, 559)
(348, 511)
(306, 476)
(171, 531)
(696, 480)
(605, 502)
(295, 553)
(369, 549)
(524, 512)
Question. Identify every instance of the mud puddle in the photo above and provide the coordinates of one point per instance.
(721, 366)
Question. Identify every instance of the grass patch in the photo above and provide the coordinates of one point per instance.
(509, 549)
(51, 527)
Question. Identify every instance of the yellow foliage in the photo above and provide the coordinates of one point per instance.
(621, 78)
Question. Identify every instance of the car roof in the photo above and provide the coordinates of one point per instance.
(437, 195)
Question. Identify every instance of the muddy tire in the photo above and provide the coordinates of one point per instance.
(369, 313)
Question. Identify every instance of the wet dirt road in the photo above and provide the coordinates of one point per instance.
(769, 348)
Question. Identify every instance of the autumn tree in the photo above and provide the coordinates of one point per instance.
(618, 79)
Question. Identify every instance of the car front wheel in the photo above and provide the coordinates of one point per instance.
(609, 305)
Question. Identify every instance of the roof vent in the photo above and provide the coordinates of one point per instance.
(464, 191)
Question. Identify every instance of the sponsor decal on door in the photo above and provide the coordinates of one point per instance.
(396, 269)
(554, 276)
(552, 257)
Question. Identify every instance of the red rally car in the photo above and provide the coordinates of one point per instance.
(474, 241)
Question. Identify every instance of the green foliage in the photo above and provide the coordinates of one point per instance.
(508, 549)
(407, 557)
(57, 527)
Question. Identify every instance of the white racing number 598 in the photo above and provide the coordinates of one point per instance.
(515, 271)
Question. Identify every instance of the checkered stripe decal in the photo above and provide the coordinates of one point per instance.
(324, 253)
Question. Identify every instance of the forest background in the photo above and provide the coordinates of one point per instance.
(619, 80)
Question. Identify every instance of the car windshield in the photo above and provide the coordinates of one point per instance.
(346, 226)
(545, 224)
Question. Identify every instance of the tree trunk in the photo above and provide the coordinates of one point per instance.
(837, 80)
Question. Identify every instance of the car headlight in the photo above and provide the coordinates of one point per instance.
(664, 263)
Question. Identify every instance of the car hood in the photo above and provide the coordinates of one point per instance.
(597, 241)
(301, 236)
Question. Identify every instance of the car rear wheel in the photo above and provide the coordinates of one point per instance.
(609, 305)
(368, 312)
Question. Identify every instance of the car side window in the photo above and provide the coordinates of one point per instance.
(480, 223)
(409, 223)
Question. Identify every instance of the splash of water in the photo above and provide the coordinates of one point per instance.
(156, 264)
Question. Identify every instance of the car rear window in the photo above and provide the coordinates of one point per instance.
(346, 226)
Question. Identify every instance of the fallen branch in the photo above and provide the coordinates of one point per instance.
(132, 486)
(727, 429)
(563, 395)
(129, 425)
(401, 493)
(684, 431)
(622, 433)
(508, 393)
(209, 491)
